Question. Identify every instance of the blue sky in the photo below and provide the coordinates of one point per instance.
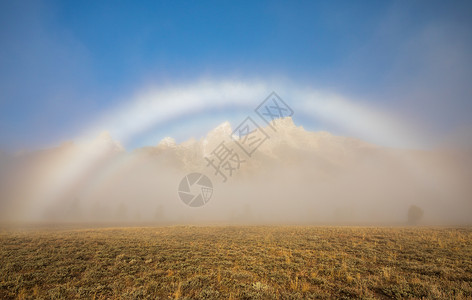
(66, 64)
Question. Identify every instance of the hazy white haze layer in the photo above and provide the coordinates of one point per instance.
(296, 176)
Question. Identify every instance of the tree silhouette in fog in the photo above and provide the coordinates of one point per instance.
(415, 214)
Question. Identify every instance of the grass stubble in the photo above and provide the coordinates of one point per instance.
(236, 262)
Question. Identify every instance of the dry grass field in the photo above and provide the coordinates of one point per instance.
(187, 262)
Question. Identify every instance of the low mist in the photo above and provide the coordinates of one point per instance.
(296, 177)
